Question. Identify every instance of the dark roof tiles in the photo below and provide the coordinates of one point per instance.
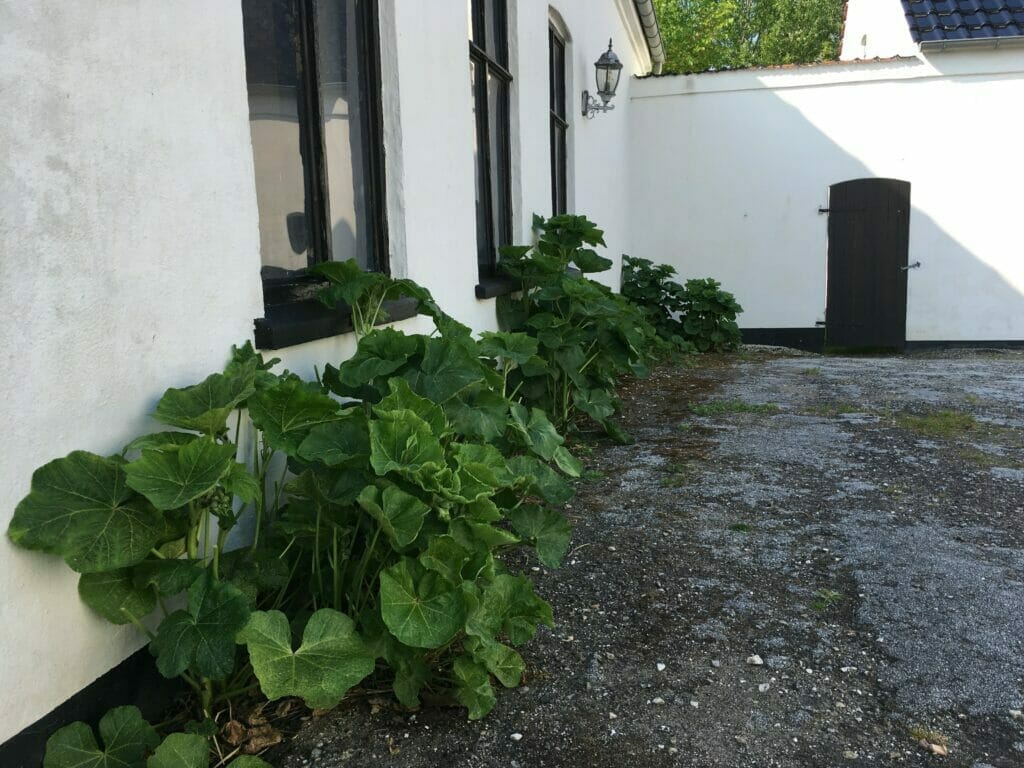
(939, 20)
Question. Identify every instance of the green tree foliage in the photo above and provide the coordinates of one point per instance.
(729, 34)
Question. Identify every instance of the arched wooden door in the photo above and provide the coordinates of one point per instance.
(868, 239)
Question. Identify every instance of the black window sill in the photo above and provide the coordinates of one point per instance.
(490, 287)
(297, 322)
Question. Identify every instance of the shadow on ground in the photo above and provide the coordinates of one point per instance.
(864, 540)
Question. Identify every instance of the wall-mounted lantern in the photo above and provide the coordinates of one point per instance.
(608, 69)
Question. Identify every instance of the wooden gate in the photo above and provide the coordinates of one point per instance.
(868, 238)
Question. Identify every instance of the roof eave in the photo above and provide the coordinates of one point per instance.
(933, 46)
(652, 33)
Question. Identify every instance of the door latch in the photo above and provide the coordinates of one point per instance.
(915, 265)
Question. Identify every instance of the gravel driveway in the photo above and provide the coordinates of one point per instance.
(802, 561)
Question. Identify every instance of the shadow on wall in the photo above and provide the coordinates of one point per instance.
(728, 183)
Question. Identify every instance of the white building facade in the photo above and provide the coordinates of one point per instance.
(167, 167)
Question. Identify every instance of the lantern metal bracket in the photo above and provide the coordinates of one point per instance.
(592, 106)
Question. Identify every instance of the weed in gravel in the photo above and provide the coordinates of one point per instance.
(741, 528)
(833, 410)
(721, 407)
(678, 475)
(945, 424)
(811, 372)
(827, 599)
(592, 474)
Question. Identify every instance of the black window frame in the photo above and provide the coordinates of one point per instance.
(559, 128)
(292, 312)
(488, 55)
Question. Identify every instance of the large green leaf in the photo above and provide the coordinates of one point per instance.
(483, 416)
(517, 348)
(81, 508)
(501, 661)
(596, 403)
(380, 352)
(339, 442)
(348, 281)
(537, 430)
(205, 407)
(548, 530)
(473, 687)
(114, 596)
(288, 411)
(181, 750)
(202, 638)
(403, 398)
(240, 482)
(568, 463)
(402, 441)
(447, 370)
(169, 577)
(508, 604)
(444, 555)
(126, 739)
(399, 514)
(419, 607)
(411, 671)
(543, 480)
(160, 440)
(171, 479)
(331, 659)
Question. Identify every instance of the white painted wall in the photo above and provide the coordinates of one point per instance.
(598, 147)
(130, 244)
(730, 168)
(129, 262)
(875, 29)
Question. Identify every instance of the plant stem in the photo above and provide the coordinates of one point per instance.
(146, 630)
(206, 694)
(192, 541)
(336, 571)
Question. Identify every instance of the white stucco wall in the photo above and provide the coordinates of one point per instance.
(875, 29)
(732, 167)
(129, 262)
(597, 147)
(130, 244)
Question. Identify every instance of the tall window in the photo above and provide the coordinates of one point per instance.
(314, 117)
(491, 82)
(559, 123)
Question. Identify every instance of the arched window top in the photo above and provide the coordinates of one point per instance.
(558, 24)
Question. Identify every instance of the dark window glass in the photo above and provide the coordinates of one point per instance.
(559, 124)
(311, 68)
(490, 84)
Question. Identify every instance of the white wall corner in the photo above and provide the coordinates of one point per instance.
(875, 29)
(394, 190)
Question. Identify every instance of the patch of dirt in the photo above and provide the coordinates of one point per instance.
(877, 574)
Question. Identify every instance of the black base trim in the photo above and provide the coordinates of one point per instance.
(1005, 344)
(134, 681)
(808, 339)
(286, 325)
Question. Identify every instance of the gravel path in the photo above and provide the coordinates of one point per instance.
(834, 578)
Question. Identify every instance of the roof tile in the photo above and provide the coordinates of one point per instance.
(938, 20)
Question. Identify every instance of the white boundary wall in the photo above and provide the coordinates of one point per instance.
(729, 169)
(129, 247)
